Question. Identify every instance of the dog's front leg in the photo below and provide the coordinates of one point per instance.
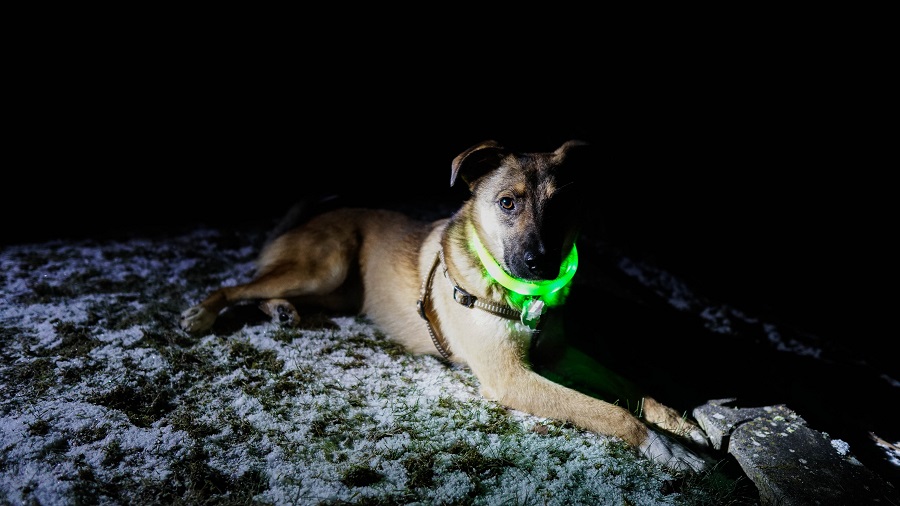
(573, 367)
(507, 379)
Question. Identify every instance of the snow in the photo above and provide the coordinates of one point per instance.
(105, 398)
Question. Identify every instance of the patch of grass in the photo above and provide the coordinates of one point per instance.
(90, 434)
(241, 430)
(419, 470)
(167, 342)
(89, 281)
(620, 452)
(328, 423)
(40, 427)
(380, 342)
(112, 454)
(284, 335)
(120, 312)
(360, 475)
(93, 281)
(473, 463)
(194, 481)
(498, 422)
(355, 362)
(32, 377)
(187, 419)
(33, 260)
(142, 402)
(723, 484)
(56, 449)
(254, 358)
(43, 292)
(285, 385)
(76, 340)
(8, 335)
(87, 488)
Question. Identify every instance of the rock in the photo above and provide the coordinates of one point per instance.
(789, 462)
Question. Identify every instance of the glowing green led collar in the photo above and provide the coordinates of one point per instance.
(549, 289)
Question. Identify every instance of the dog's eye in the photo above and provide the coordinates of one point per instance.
(507, 203)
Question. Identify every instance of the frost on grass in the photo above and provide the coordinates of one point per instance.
(717, 317)
(107, 401)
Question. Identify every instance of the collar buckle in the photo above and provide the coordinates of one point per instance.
(463, 297)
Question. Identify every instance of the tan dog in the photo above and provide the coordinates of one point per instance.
(428, 285)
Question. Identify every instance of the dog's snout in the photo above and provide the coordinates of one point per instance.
(533, 260)
(538, 263)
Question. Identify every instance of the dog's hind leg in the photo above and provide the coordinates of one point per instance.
(268, 288)
(281, 311)
(299, 276)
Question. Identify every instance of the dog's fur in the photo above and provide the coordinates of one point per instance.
(525, 208)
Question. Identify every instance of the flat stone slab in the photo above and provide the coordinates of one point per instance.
(790, 463)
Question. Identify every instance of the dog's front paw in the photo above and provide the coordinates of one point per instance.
(669, 420)
(281, 311)
(697, 435)
(196, 319)
(670, 453)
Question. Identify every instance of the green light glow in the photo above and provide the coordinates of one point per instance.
(552, 290)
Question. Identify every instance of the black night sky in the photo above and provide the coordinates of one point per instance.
(769, 192)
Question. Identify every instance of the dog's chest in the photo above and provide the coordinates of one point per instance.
(472, 331)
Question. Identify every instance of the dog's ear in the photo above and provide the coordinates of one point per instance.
(574, 158)
(477, 161)
(574, 151)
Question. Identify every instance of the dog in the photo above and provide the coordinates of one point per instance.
(478, 288)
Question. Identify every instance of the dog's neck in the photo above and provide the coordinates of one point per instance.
(462, 264)
(471, 261)
(484, 290)
(552, 291)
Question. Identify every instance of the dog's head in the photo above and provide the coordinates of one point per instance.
(526, 207)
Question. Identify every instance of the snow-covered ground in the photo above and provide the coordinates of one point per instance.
(106, 401)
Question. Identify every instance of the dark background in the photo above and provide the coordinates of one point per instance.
(762, 173)
(752, 156)
(774, 197)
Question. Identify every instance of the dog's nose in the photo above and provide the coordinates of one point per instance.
(530, 261)
(534, 261)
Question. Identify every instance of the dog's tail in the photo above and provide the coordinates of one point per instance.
(299, 213)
